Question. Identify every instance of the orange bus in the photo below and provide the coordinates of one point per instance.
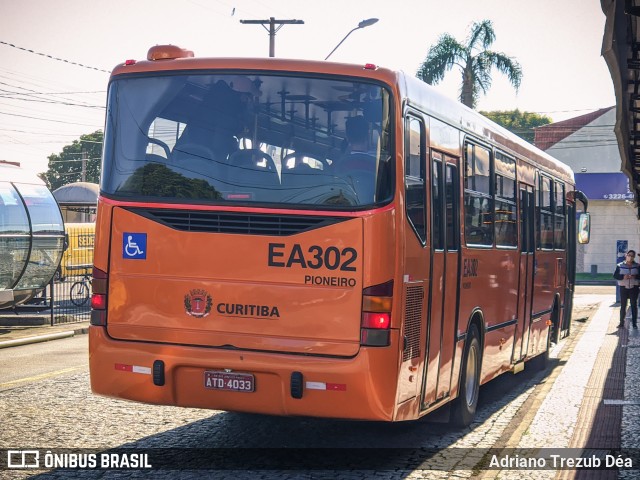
(312, 238)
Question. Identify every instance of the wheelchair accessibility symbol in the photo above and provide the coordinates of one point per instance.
(134, 245)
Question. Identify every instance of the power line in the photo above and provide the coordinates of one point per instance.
(207, 7)
(48, 120)
(53, 102)
(74, 160)
(39, 133)
(33, 92)
(54, 58)
(41, 83)
(27, 91)
(42, 111)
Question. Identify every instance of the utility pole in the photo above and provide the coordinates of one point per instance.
(84, 165)
(272, 29)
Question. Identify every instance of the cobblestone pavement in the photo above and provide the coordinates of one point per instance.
(62, 413)
(71, 417)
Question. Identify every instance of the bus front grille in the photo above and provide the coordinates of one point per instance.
(237, 223)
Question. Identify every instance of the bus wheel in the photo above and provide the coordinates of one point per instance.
(465, 405)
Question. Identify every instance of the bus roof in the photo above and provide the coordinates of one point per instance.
(274, 64)
(427, 98)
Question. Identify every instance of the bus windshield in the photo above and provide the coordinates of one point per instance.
(263, 139)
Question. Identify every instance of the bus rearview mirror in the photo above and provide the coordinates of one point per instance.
(584, 228)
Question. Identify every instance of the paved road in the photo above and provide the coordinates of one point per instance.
(60, 412)
(28, 364)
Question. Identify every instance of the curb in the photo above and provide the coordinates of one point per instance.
(42, 338)
(19, 321)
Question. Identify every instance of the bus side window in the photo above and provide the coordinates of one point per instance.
(437, 204)
(505, 201)
(414, 177)
(452, 207)
(478, 225)
(545, 213)
(559, 233)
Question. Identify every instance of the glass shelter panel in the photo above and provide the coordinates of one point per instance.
(15, 236)
(47, 236)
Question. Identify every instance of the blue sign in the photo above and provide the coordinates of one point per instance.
(134, 246)
(604, 186)
(622, 247)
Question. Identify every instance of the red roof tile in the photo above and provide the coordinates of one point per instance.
(547, 136)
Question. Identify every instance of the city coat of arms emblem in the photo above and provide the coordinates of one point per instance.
(197, 303)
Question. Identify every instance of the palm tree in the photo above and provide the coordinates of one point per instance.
(474, 59)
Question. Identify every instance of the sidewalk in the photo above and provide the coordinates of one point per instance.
(590, 402)
(15, 335)
(609, 406)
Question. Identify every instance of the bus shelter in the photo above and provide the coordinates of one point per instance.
(31, 236)
(78, 201)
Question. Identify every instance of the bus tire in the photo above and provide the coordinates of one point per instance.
(464, 409)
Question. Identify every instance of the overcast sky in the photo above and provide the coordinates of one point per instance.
(557, 42)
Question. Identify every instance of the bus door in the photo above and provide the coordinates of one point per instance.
(443, 296)
(525, 287)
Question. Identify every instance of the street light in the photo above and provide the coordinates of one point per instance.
(362, 24)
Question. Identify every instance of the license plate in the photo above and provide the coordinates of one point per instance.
(231, 382)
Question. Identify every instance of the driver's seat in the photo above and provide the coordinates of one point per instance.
(193, 156)
(252, 171)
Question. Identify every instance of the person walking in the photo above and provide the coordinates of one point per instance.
(628, 276)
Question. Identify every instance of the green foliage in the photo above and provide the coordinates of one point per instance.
(66, 167)
(160, 181)
(520, 123)
(474, 59)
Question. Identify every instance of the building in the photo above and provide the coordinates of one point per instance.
(589, 146)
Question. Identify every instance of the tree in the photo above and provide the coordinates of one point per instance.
(474, 59)
(66, 167)
(160, 181)
(520, 123)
